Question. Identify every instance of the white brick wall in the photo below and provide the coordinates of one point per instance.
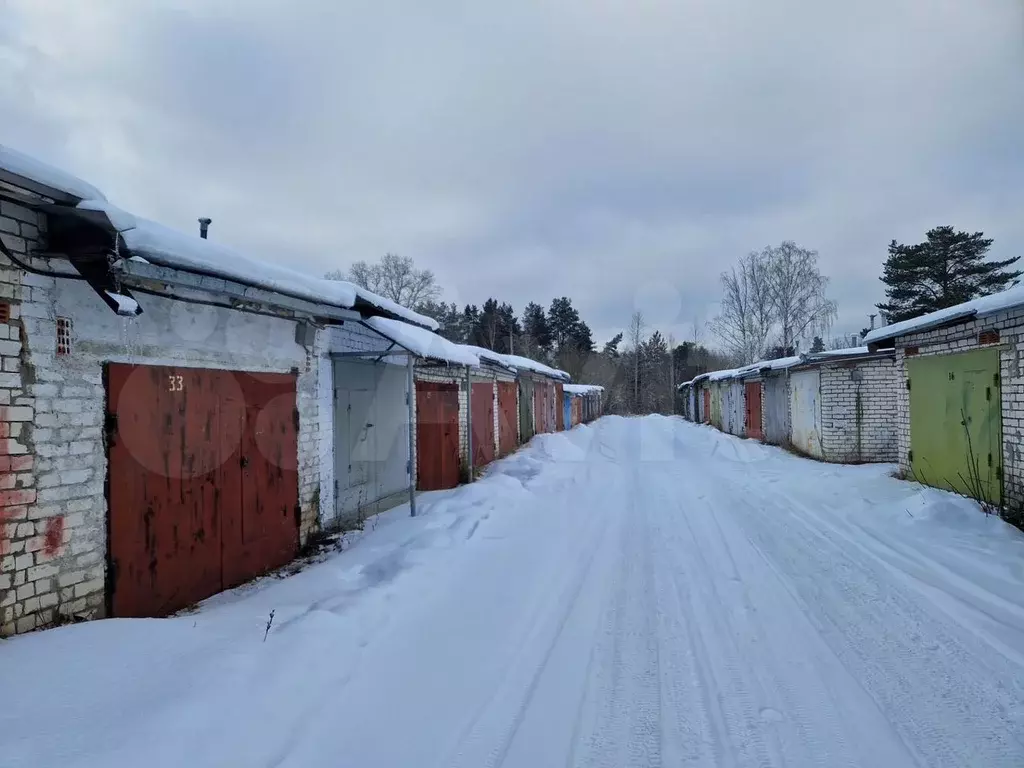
(963, 338)
(858, 410)
(53, 512)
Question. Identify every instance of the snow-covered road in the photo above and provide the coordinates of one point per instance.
(641, 592)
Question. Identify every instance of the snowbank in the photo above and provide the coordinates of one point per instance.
(15, 162)
(983, 307)
(422, 342)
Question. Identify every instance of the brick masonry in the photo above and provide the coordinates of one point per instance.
(858, 410)
(964, 338)
(53, 513)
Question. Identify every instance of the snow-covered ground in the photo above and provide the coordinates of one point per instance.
(641, 592)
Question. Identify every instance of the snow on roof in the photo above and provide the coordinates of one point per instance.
(168, 247)
(422, 342)
(489, 355)
(525, 363)
(729, 373)
(981, 307)
(581, 389)
(847, 352)
(779, 363)
(15, 162)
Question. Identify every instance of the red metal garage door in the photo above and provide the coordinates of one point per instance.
(202, 484)
(437, 435)
(508, 432)
(483, 423)
(707, 406)
(753, 415)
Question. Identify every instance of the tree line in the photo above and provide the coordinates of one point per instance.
(774, 303)
(638, 373)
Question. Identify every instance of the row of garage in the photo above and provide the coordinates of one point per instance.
(833, 406)
(942, 395)
(179, 418)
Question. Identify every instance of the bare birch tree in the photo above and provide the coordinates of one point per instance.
(747, 311)
(394, 277)
(637, 326)
(797, 289)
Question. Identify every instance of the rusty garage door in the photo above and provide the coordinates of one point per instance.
(483, 423)
(202, 482)
(753, 408)
(437, 435)
(508, 431)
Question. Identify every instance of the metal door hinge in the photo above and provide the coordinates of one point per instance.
(295, 415)
(999, 473)
(996, 379)
(988, 393)
(990, 459)
(408, 467)
(908, 385)
(910, 456)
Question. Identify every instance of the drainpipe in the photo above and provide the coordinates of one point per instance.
(469, 424)
(204, 226)
(412, 435)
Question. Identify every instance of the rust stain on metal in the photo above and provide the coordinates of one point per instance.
(437, 435)
(483, 424)
(507, 424)
(180, 433)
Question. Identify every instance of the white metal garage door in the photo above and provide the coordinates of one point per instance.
(805, 404)
(371, 437)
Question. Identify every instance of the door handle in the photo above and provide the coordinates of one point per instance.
(244, 461)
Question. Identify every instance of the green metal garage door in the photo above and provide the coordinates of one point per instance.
(955, 422)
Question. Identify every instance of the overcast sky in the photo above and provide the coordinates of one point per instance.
(619, 152)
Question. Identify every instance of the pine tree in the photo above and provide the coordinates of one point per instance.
(564, 321)
(611, 347)
(818, 345)
(949, 268)
(535, 326)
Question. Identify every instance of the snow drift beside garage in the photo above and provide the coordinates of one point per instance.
(982, 307)
(422, 342)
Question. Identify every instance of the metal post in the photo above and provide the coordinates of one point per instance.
(412, 435)
(469, 424)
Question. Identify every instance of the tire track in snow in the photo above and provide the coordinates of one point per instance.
(489, 736)
(945, 710)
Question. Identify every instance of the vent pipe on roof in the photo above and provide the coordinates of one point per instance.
(204, 226)
(872, 317)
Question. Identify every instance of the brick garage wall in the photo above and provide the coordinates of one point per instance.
(33, 539)
(963, 338)
(858, 410)
(56, 536)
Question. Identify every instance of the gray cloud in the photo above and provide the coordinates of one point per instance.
(602, 150)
